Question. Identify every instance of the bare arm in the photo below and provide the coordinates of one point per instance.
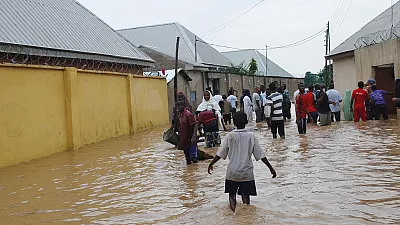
(271, 169)
(211, 165)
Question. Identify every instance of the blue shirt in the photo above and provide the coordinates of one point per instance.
(377, 96)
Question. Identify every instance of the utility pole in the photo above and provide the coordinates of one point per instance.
(266, 60)
(327, 48)
(176, 70)
(195, 48)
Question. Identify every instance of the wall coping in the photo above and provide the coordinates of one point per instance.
(79, 70)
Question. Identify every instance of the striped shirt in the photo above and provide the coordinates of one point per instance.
(274, 102)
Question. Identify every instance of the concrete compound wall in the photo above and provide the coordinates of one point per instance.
(46, 110)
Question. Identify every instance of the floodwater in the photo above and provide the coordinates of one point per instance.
(343, 174)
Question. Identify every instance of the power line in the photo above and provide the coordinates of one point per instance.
(334, 17)
(291, 45)
(223, 26)
(341, 7)
(348, 9)
(301, 42)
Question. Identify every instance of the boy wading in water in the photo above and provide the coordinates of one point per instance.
(239, 145)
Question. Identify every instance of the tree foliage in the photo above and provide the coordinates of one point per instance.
(253, 68)
(240, 69)
(318, 78)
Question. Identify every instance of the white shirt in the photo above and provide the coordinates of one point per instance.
(263, 95)
(295, 94)
(217, 98)
(232, 99)
(248, 108)
(334, 96)
(256, 97)
(239, 146)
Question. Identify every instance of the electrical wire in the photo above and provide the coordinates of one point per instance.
(291, 45)
(334, 17)
(224, 25)
(348, 9)
(301, 42)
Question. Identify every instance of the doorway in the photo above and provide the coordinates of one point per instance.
(384, 76)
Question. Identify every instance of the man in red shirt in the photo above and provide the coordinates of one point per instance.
(358, 97)
(301, 110)
(312, 109)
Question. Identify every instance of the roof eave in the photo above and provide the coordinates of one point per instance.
(340, 55)
(63, 53)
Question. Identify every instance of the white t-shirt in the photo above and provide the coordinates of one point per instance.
(239, 146)
(295, 94)
(263, 95)
(232, 99)
(256, 97)
(334, 96)
(217, 98)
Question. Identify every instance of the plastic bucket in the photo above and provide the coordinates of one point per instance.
(171, 137)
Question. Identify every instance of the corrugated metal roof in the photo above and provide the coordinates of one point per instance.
(244, 56)
(63, 25)
(380, 23)
(162, 38)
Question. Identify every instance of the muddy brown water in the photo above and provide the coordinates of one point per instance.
(343, 174)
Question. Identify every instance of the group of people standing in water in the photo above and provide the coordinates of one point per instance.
(273, 105)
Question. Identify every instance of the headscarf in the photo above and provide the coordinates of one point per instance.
(210, 103)
(175, 112)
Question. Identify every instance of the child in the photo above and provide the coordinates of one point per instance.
(187, 133)
(226, 110)
(239, 145)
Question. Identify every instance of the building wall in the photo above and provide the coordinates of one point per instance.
(161, 60)
(344, 74)
(45, 110)
(348, 70)
(196, 85)
(183, 86)
(377, 55)
(149, 103)
(368, 59)
(32, 114)
(103, 106)
(235, 81)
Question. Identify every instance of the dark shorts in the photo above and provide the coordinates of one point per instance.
(241, 188)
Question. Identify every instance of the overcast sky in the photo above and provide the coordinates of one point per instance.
(273, 22)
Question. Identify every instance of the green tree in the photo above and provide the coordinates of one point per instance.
(319, 78)
(253, 68)
(240, 69)
(310, 79)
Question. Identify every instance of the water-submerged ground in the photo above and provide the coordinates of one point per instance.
(343, 174)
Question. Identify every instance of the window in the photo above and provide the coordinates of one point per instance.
(192, 96)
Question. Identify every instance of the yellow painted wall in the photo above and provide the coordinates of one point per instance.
(103, 107)
(149, 102)
(32, 114)
(46, 110)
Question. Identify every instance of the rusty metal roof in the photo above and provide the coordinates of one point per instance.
(64, 26)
